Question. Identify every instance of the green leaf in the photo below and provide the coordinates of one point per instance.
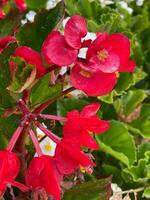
(36, 4)
(66, 105)
(126, 80)
(128, 102)
(34, 34)
(92, 190)
(7, 127)
(5, 98)
(118, 143)
(143, 122)
(107, 98)
(23, 77)
(8, 24)
(146, 193)
(139, 173)
(3, 140)
(43, 91)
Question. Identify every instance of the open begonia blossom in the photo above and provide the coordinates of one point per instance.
(69, 156)
(9, 169)
(31, 57)
(5, 41)
(61, 49)
(110, 53)
(41, 175)
(92, 83)
(80, 125)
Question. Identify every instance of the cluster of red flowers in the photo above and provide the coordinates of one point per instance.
(21, 5)
(46, 172)
(95, 75)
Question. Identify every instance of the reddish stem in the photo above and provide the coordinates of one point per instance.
(51, 135)
(53, 117)
(35, 142)
(23, 107)
(14, 138)
(43, 106)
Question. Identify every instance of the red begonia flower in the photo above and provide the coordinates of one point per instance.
(31, 57)
(69, 156)
(82, 125)
(110, 53)
(92, 83)
(5, 41)
(21, 5)
(56, 50)
(41, 174)
(9, 169)
(75, 29)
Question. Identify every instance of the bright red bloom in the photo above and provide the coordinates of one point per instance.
(62, 50)
(75, 29)
(81, 125)
(110, 53)
(69, 156)
(9, 169)
(31, 57)
(92, 83)
(21, 5)
(41, 174)
(5, 41)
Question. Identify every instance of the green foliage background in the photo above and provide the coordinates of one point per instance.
(124, 152)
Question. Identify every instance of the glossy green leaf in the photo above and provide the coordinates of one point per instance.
(23, 77)
(146, 193)
(126, 80)
(4, 141)
(143, 122)
(128, 102)
(5, 98)
(93, 190)
(43, 91)
(36, 4)
(66, 105)
(8, 24)
(118, 143)
(34, 34)
(140, 172)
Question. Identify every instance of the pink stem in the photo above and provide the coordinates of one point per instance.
(35, 142)
(51, 135)
(23, 107)
(14, 138)
(53, 117)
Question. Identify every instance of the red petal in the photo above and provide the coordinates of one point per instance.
(109, 65)
(129, 66)
(88, 141)
(5, 41)
(31, 57)
(90, 110)
(2, 14)
(119, 44)
(97, 84)
(96, 45)
(22, 187)
(21, 5)
(41, 174)
(95, 125)
(75, 29)
(57, 51)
